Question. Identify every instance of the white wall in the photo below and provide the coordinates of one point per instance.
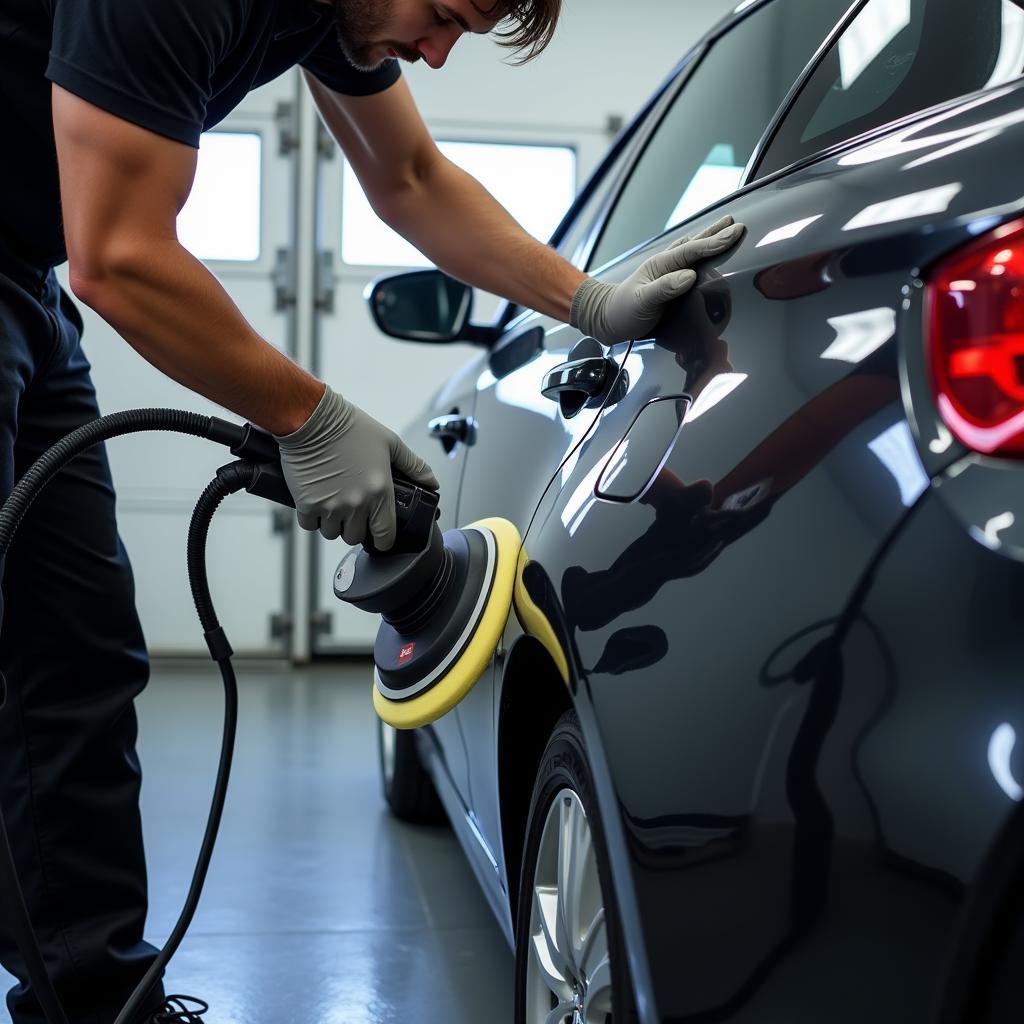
(606, 57)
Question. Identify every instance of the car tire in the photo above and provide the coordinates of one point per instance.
(408, 789)
(587, 977)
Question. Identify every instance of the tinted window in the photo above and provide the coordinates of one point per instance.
(701, 147)
(897, 57)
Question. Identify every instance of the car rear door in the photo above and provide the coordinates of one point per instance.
(526, 442)
(710, 536)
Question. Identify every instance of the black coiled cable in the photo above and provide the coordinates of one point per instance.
(60, 454)
(231, 478)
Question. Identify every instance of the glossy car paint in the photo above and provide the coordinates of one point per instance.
(796, 656)
(760, 860)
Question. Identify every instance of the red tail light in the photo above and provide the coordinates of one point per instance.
(975, 326)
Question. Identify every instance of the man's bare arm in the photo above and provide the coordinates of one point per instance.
(442, 210)
(121, 190)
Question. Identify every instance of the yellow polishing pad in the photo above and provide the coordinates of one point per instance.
(536, 623)
(470, 665)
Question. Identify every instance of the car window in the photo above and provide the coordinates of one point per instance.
(699, 151)
(572, 244)
(897, 57)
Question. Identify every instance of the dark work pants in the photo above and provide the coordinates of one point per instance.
(73, 658)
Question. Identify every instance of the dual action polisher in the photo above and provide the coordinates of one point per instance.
(443, 599)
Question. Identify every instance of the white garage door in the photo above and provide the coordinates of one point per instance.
(239, 216)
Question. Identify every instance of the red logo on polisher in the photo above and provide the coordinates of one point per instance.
(406, 652)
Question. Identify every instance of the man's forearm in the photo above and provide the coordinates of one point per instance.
(454, 221)
(174, 312)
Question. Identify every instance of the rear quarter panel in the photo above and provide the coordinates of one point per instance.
(748, 722)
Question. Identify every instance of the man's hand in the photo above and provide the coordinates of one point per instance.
(618, 312)
(338, 468)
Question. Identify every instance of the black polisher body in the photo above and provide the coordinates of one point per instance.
(430, 602)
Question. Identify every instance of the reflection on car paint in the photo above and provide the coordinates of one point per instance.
(943, 442)
(575, 509)
(895, 449)
(720, 387)
(788, 231)
(916, 204)
(694, 521)
(1000, 750)
(911, 140)
(860, 334)
(989, 533)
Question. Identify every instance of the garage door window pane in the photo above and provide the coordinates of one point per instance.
(699, 151)
(221, 220)
(536, 184)
(898, 57)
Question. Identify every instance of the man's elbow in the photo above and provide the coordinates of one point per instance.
(393, 202)
(397, 198)
(98, 272)
(87, 283)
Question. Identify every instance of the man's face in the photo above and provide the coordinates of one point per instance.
(373, 30)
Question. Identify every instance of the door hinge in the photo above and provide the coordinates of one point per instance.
(613, 124)
(281, 520)
(321, 623)
(326, 146)
(323, 287)
(281, 625)
(286, 117)
(284, 279)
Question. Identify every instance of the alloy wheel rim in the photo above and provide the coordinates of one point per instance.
(387, 752)
(568, 973)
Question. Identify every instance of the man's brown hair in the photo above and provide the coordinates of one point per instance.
(525, 26)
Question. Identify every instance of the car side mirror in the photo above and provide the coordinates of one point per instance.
(422, 305)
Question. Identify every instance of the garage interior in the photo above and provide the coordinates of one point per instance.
(320, 907)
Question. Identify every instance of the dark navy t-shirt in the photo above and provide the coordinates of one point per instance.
(175, 67)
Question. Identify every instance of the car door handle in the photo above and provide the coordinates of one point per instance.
(583, 380)
(585, 377)
(453, 429)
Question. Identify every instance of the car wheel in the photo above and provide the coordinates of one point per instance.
(569, 963)
(408, 788)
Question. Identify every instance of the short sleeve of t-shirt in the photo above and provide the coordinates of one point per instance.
(330, 65)
(150, 62)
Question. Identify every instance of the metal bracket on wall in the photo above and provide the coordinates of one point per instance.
(281, 625)
(283, 277)
(613, 124)
(323, 281)
(326, 146)
(281, 521)
(286, 117)
(321, 623)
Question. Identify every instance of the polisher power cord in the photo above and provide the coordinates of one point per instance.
(256, 471)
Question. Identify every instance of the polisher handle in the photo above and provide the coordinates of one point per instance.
(416, 512)
(415, 507)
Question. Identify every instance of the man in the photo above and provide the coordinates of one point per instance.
(103, 104)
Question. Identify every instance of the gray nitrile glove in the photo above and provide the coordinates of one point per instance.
(618, 312)
(338, 466)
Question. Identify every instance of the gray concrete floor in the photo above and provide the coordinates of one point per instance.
(319, 907)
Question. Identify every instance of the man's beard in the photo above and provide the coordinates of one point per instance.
(361, 28)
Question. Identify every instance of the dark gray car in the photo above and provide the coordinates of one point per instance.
(747, 751)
